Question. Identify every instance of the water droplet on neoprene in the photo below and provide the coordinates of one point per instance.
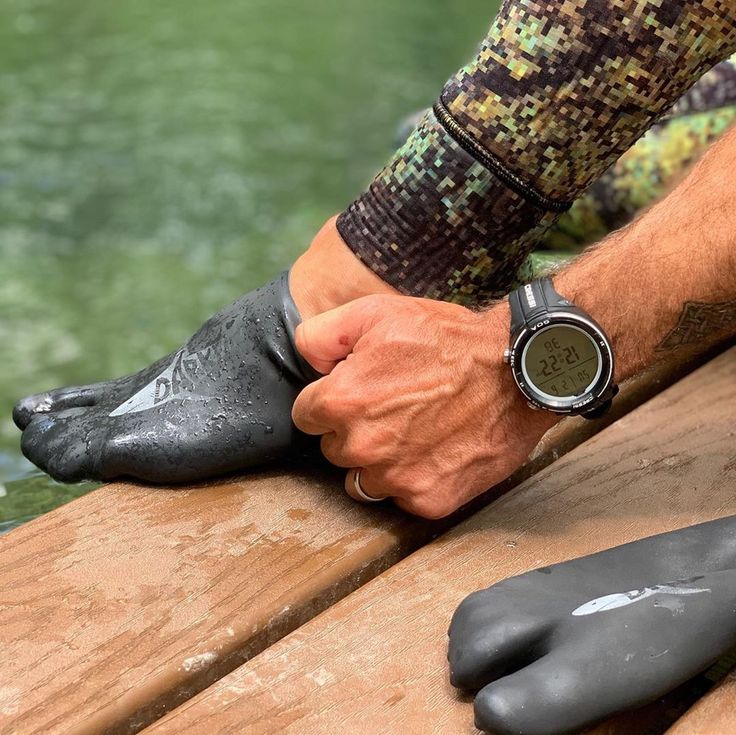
(268, 430)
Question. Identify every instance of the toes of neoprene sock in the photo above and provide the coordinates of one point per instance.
(490, 652)
(486, 641)
(220, 403)
(57, 443)
(496, 711)
(27, 407)
(55, 400)
(538, 700)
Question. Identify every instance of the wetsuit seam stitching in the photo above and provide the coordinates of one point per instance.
(483, 156)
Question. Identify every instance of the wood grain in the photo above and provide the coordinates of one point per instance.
(120, 605)
(714, 714)
(375, 662)
(132, 598)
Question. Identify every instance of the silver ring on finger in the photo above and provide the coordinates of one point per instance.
(364, 497)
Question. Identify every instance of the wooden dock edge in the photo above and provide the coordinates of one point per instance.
(127, 602)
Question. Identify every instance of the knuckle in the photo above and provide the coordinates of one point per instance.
(332, 449)
(419, 485)
(361, 452)
(341, 397)
(374, 302)
(327, 404)
(339, 385)
(428, 507)
(375, 306)
(347, 451)
(423, 486)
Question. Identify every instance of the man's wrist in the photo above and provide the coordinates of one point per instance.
(497, 329)
(586, 285)
(328, 274)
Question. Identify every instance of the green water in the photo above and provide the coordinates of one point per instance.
(159, 158)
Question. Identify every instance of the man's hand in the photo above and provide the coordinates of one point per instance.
(418, 397)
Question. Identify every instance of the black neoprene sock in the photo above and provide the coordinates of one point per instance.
(560, 648)
(220, 403)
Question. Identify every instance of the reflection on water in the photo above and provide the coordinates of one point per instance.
(159, 158)
(24, 499)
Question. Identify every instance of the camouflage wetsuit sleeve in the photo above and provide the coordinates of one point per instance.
(558, 91)
(650, 168)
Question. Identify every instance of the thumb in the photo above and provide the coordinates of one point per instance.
(329, 337)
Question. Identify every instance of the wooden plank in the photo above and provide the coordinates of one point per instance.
(124, 603)
(375, 662)
(714, 714)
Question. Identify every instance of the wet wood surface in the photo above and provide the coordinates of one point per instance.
(375, 661)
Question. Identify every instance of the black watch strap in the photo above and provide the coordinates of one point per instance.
(602, 408)
(534, 300)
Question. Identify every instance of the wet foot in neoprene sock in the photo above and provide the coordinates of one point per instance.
(556, 650)
(219, 404)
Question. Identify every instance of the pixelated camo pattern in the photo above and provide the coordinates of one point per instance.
(425, 222)
(648, 170)
(558, 91)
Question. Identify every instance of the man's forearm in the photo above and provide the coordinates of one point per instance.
(416, 395)
(557, 92)
(666, 284)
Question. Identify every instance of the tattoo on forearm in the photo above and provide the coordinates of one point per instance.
(698, 323)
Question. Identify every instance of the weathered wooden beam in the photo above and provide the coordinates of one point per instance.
(375, 662)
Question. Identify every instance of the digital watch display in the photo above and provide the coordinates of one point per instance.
(560, 357)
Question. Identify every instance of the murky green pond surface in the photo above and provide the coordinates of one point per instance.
(159, 158)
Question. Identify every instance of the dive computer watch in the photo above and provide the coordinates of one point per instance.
(561, 359)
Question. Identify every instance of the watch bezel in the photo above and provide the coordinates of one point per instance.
(575, 404)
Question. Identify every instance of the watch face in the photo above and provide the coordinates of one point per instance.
(561, 361)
